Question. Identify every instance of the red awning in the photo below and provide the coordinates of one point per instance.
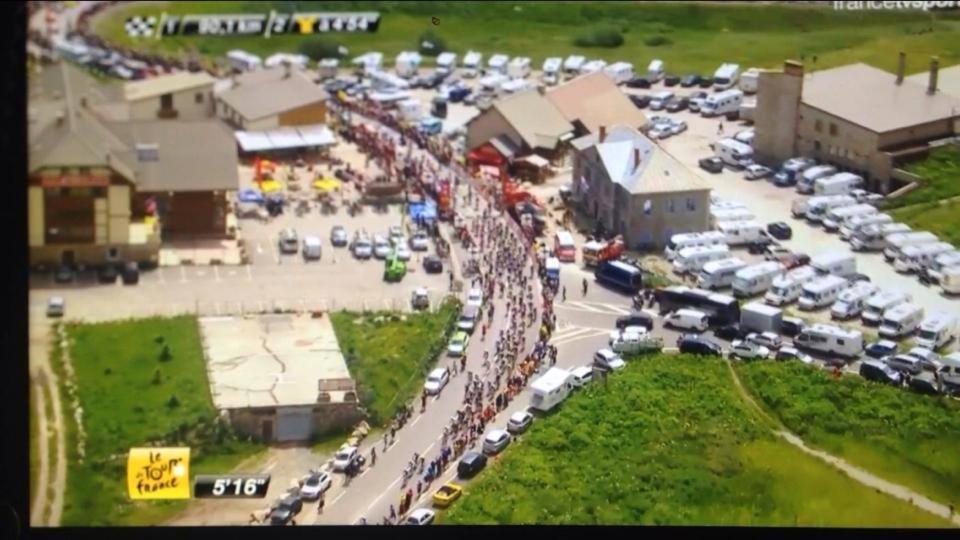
(486, 154)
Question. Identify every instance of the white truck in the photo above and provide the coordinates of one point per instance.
(817, 207)
(785, 289)
(655, 70)
(874, 237)
(721, 103)
(808, 177)
(830, 339)
(498, 64)
(837, 216)
(551, 70)
(749, 80)
(853, 224)
(719, 274)
(841, 183)
(694, 239)
(950, 280)
(446, 62)
(850, 303)
(550, 389)
(726, 76)
(620, 72)
(756, 279)
(822, 292)
(880, 302)
(722, 215)
(733, 152)
(835, 263)
(740, 233)
(519, 67)
(572, 65)
(407, 64)
(692, 259)
(901, 321)
(914, 258)
(759, 317)
(896, 242)
(471, 64)
(937, 330)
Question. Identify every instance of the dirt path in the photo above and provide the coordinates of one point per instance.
(870, 480)
(51, 475)
(39, 502)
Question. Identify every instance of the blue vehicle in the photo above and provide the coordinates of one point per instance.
(458, 94)
(620, 275)
(431, 126)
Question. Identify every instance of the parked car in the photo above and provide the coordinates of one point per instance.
(608, 360)
(769, 340)
(728, 332)
(402, 251)
(877, 371)
(470, 464)
(756, 172)
(692, 79)
(791, 326)
(881, 349)
(693, 344)
(496, 441)
(677, 104)
(338, 236)
(748, 350)
(287, 241)
(362, 248)
(436, 380)
(458, 344)
(315, 485)
(791, 353)
(761, 245)
(446, 495)
(677, 127)
(420, 241)
(780, 230)
(381, 247)
(671, 80)
(638, 82)
(641, 102)
(637, 318)
(420, 516)
(285, 510)
(475, 297)
(64, 274)
(582, 376)
(711, 164)
(519, 422)
(432, 264)
(107, 274)
(55, 306)
(344, 457)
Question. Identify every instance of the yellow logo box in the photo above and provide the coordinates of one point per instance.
(158, 473)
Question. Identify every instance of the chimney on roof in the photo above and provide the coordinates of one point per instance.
(901, 66)
(793, 67)
(934, 70)
(603, 133)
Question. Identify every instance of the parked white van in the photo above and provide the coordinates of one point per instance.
(756, 279)
(695, 239)
(896, 242)
(327, 68)
(733, 152)
(519, 67)
(659, 100)
(817, 207)
(749, 80)
(620, 72)
(572, 65)
(471, 64)
(407, 63)
(692, 259)
(719, 274)
(446, 62)
(655, 70)
(874, 237)
(811, 175)
(730, 214)
(950, 280)
(498, 64)
(838, 184)
(835, 263)
(937, 330)
(837, 216)
(785, 289)
(880, 302)
(830, 339)
(311, 248)
(851, 301)
(913, 258)
(721, 103)
(592, 66)
(726, 76)
(822, 292)
(941, 262)
(551, 70)
(550, 389)
(900, 321)
(687, 319)
(853, 224)
(739, 233)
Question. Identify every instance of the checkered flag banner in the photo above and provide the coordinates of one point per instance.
(138, 26)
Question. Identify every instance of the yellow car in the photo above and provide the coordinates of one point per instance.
(445, 496)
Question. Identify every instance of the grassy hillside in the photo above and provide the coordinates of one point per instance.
(924, 208)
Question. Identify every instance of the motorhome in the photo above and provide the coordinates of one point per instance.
(471, 64)
(937, 330)
(721, 103)
(837, 216)
(592, 66)
(880, 302)
(830, 339)
(514, 86)
(572, 65)
(726, 76)
(896, 242)
(551, 70)
(851, 302)
(836, 263)
(785, 289)
(853, 224)
(838, 184)
(369, 62)
(811, 175)
(243, 61)
(900, 321)
(739, 233)
(874, 237)
(695, 239)
(659, 100)
(749, 80)
(620, 72)
(493, 81)
(950, 372)
(733, 152)
(298, 61)
(519, 67)
(913, 258)
(934, 269)
(817, 207)
(719, 274)
(950, 280)
(822, 292)
(756, 279)
(447, 62)
(655, 71)
(692, 259)
(498, 64)
(723, 215)
(410, 110)
(327, 68)
(550, 389)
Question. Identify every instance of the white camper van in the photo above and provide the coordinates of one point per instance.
(811, 175)
(837, 216)
(550, 389)
(835, 263)
(721, 103)
(830, 339)
(896, 242)
(407, 64)
(853, 224)
(243, 61)
(749, 80)
(838, 184)
(369, 62)
(822, 292)
(723, 215)
(695, 239)
(950, 280)
(733, 152)
(880, 302)
(726, 76)
(327, 68)
(943, 261)
(592, 66)
(739, 233)
(785, 289)
(498, 64)
(719, 274)
(900, 321)
(572, 65)
(659, 100)
(551, 70)
(620, 72)
(471, 64)
(519, 67)
(756, 279)
(692, 259)
(514, 86)
(298, 61)
(817, 207)
(874, 237)
(851, 302)
(446, 62)
(913, 258)
(655, 71)
(410, 109)
(937, 330)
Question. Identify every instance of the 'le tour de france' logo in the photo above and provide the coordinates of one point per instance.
(158, 473)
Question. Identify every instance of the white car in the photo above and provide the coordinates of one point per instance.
(314, 486)
(420, 241)
(458, 344)
(437, 379)
(475, 297)
(403, 252)
(495, 441)
(741, 348)
(344, 457)
(519, 422)
(395, 233)
(381, 247)
(677, 126)
(755, 172)
(582, 375)
(55, 307)
(769, 340)
(660, 131)
(791, 353)
(362, 248)
(607, 359)
(420, 516)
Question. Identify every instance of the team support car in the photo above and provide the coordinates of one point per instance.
(470, 464)
(55, 307)
(285, 510)
(694, 344)
(446, 495)
(420, 516)
(458, 344)
(419, 241)
(315, 485)
(344, 457)
(747, 350)
(608, 360)
(432, 264)
(519, 422)
(475, 297)
(711, 164)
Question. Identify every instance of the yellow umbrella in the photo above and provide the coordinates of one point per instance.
(270, 186)
(326, 184)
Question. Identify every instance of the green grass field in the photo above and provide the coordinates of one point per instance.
(390, 357)
(698, 36)
(940, 219)
(668, 441)
(898, 435)
(924, 208)
(125, 405)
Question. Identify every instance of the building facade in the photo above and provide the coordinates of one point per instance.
(271, 98)
(183, 96)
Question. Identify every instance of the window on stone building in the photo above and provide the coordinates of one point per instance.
(833, 128)
(647, 207)
(818, 126)
(670, 206)
(691, 204)
(198, 98)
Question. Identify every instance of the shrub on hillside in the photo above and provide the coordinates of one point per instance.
(431, 44)
(319, 48)
(600, 37)
(656, 41)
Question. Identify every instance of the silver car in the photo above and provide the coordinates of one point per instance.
(381, 247)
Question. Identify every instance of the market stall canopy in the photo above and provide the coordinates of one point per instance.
(427, 211)
(285, 138)
(270, 186)
(327, 184)
(535, 160)
(249, 196)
